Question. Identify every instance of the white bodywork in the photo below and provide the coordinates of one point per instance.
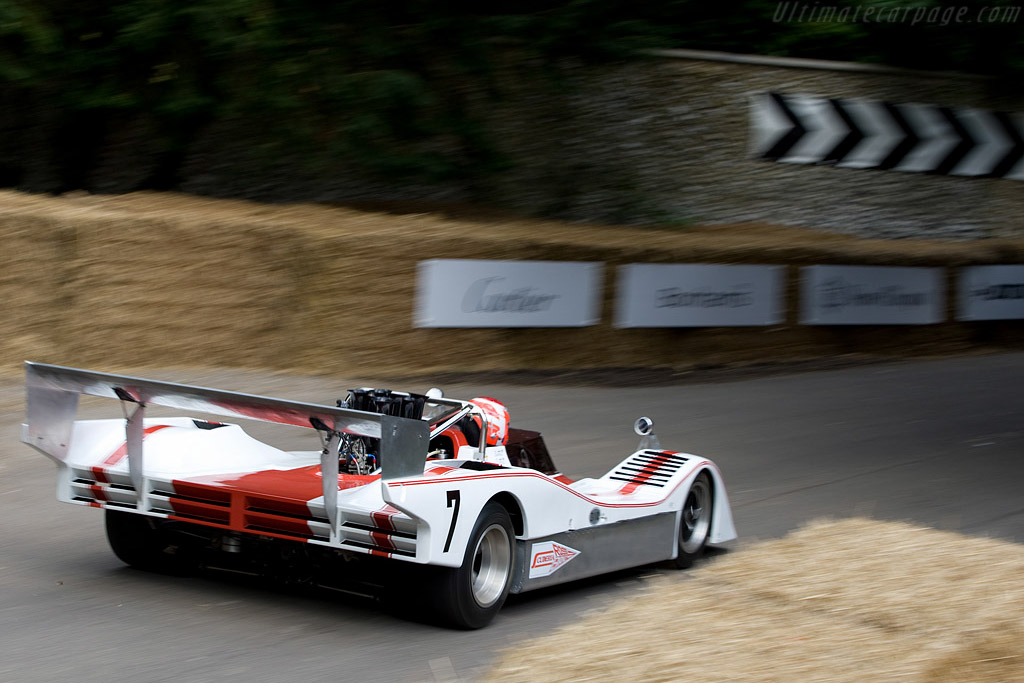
(218, 476)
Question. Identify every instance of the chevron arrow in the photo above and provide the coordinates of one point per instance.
(908, 143)
(991, 143)
(881, 134)
(901, 137)
(1004, 166)
(963, 146)
(825, 130)
(937, 139)
(777, 124)
(853, 136)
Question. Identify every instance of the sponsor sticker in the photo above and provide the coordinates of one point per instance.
(548, 557)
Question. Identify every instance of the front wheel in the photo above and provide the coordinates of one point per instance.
(695, 521)
(470, 596)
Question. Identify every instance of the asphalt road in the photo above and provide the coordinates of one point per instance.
(940, 443)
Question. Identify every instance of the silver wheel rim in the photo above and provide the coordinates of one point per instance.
(696, 516)
(492, 564)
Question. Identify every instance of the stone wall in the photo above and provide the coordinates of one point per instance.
(667, 140)
(662, 139)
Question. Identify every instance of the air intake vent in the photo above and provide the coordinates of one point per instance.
(649, 468)
(259, 514)
(269, 514)
(201, 504)
(97, 487)
(381, 532)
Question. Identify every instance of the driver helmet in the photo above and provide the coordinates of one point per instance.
(497, 420)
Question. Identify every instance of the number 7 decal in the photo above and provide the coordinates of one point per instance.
(453, 497)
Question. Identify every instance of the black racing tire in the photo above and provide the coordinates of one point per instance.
(694, 521)
(143, 542)
(469, 596)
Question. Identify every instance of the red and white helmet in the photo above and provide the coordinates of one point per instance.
(497, 420)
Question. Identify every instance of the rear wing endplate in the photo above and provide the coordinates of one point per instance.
(52, 395)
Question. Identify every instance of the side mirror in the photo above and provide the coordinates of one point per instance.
(644, 428)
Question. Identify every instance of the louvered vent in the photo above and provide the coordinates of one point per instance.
(650, 468)
(252, 512)
(98, 487)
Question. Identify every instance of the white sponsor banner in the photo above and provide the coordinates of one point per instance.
(698, 295)
(991, 293)
(467, 293)
(871, 295)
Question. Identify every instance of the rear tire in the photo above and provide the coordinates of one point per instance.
(143, 542)
(470, 596)
(694, 522)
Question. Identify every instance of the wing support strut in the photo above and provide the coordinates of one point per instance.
(329, 471)
(134, 434)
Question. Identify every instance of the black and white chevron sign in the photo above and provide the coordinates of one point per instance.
(901, 137)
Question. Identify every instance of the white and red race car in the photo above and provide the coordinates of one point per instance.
(423, 480)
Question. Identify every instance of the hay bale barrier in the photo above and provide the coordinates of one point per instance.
(165, 280)
(836, 601)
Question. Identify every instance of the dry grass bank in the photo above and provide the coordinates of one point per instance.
(172, 280)
(853, 600)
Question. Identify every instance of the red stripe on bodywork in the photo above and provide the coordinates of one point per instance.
(555, 482)
(270, 502)
(260, 522)
(382, 518)
(202, 493)
(644, 475)
(383, 540)
(119, 454)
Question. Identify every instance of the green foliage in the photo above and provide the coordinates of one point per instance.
(395, 88)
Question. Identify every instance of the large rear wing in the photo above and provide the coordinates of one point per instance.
(52, 395)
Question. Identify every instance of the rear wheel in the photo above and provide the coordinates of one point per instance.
(470, 596)
(695, 521)
(143, 542)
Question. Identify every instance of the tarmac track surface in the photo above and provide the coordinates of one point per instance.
(940, 443)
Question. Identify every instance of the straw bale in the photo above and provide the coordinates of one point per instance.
(838, 601)
(995, 656)
(161, 279)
